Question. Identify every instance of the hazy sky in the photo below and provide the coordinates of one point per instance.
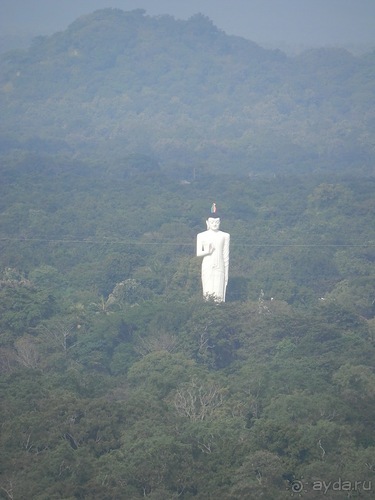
(308, 22)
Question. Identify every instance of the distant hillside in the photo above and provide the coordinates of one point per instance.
(118, 83)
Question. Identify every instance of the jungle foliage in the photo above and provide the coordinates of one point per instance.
(117, 380)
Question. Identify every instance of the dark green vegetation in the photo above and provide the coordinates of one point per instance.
(117, 380)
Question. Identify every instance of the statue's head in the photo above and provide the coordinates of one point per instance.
(213, 223)
(213, 220)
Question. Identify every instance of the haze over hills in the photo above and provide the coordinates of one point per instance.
(117, 379)
(117, 83)
(295, 24)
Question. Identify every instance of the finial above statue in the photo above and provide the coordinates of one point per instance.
(213, 246)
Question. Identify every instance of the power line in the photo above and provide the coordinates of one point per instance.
(182, 243)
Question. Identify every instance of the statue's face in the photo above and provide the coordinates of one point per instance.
(213, 223)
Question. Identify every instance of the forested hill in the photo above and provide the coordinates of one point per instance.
(116, 83)
(117, 380)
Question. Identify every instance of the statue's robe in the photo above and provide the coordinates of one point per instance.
(214, 265)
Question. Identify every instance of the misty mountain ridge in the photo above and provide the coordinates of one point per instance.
(116, 83)
(117, 379)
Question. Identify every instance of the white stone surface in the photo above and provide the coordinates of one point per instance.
(213, 246)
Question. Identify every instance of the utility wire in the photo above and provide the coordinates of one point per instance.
(181, 243)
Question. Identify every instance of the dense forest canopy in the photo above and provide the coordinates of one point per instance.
(116, 83)
(117, 380)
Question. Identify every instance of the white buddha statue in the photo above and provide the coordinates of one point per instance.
(213, 246)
